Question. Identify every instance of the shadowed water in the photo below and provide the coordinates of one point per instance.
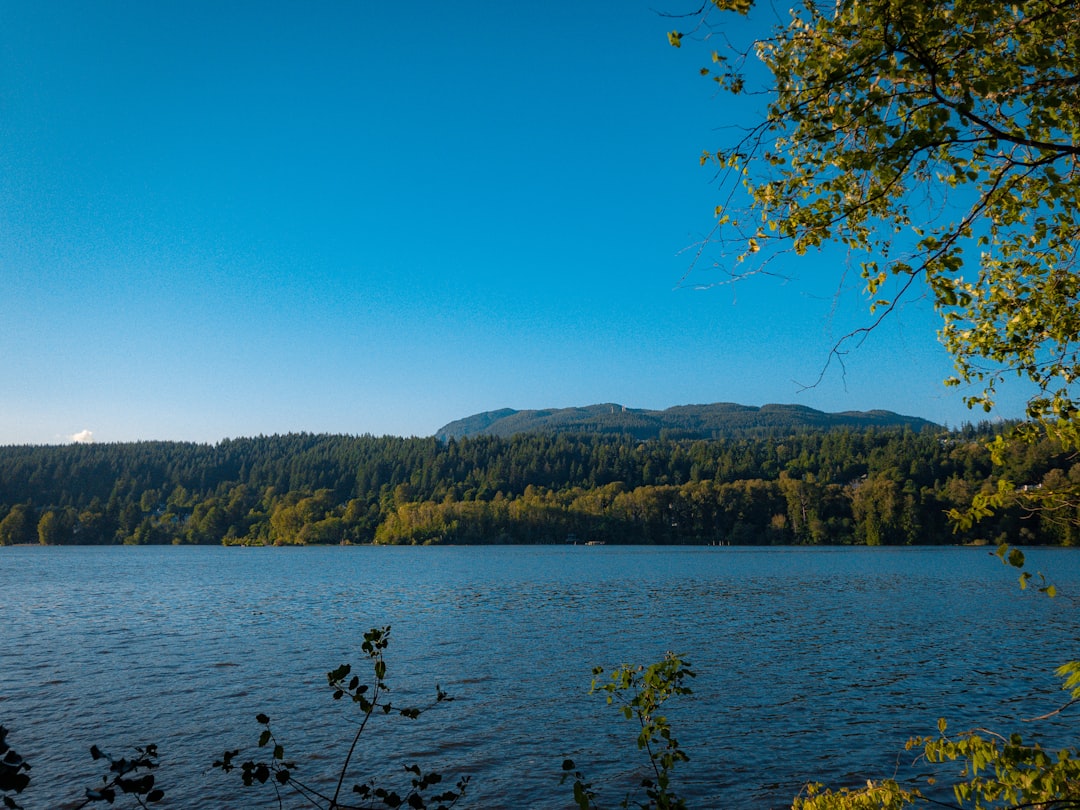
(813, 664)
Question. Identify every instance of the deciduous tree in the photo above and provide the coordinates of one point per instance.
(937, 141)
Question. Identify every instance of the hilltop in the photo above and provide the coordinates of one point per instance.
(715, 421)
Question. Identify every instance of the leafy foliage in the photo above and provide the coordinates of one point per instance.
(14, 772)
(370, 699)
(641, 692)
(131, 777)
(124, 777)
(1015, 557)
(996, 772)
(1055, 501)
(917, 134)
(999, 771)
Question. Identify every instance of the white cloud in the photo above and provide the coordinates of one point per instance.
(82, 437)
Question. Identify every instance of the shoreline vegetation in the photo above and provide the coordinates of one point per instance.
(872, 486)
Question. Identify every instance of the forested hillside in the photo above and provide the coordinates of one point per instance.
(720, 420)
(875, 486)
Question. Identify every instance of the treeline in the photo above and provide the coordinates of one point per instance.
(872, 486)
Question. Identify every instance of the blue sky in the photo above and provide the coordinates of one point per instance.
(227, 219)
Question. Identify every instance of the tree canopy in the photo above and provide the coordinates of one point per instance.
(935, 140)
(874, 485)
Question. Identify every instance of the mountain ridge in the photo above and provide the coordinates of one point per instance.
(704, 421)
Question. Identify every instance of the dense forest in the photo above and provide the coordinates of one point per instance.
(877, 486)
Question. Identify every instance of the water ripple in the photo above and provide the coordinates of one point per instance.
(812, 663)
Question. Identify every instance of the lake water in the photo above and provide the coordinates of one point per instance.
(813, 664)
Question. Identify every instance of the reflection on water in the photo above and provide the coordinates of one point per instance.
(812, 663)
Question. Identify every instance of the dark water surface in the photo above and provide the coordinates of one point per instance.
(813, 664)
